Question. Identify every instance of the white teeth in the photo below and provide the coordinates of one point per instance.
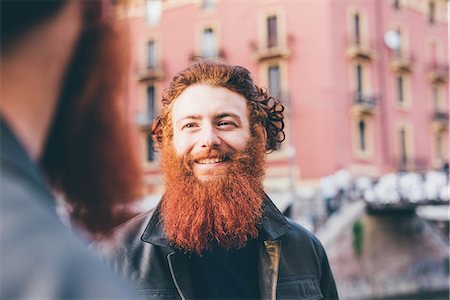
(210, 160)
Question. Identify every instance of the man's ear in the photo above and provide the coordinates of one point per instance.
(262, 133)
(156, 133)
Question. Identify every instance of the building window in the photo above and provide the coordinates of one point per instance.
(274, 80)
(433, 52)
(207, 4)
(359, 80)
(357, 28)
(440, 153)
(362, 135)
(403, 149)
(151, 54)
(362, 142)
(431, 12)
(150, 151)
(396, 4)
(209, 46)
(400, 87)
(272, 31)
(153, 11)
(150, 103)
(398, 49)
(435, 97)
(438, 100)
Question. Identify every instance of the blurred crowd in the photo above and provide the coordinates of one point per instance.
(393, 189)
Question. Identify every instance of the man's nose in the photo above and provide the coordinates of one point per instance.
(209, 138)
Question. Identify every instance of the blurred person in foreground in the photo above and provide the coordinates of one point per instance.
(62, 129)
(215, 233)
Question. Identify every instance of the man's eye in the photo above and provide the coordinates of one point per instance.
(189, 125)
(225, 123)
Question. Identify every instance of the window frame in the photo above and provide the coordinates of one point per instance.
(272, 31)
(213, 41)
(153, 9)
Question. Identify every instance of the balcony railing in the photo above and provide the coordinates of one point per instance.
(440, 121)
(402, 62)
(438, 73)
(357, 49)
(440, 116)
(363, 103)
(272, 52)
(219, 55)
(151, 73)
(279, 50)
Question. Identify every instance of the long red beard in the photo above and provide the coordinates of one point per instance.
(223, 212)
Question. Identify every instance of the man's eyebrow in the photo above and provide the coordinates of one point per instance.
(188, 117)
(227, 114)
(196, 117)
(218, 116)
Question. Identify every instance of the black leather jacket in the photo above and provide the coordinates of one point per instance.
(292, 262)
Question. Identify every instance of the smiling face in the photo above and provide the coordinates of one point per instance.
(214, 130)
(209, 124)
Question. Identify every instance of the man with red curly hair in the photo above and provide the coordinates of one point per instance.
(215, 233)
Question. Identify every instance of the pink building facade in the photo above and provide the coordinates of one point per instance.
(365, 83)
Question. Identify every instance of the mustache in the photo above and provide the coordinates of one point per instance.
(216, 153)
(211, 153)
(190, 159)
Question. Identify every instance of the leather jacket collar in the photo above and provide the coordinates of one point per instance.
(274, 225)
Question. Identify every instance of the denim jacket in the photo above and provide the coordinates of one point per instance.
(292, 262)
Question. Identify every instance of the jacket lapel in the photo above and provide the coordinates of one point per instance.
(274, 225)
(154, 234)
(180, 275)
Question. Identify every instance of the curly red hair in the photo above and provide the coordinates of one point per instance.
(264, 109)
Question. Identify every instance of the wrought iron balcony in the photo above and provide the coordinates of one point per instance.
(363, 103)
(440, 116)
(438, 73)
(440, 121)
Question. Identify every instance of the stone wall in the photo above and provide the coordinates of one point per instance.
(401, 254)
